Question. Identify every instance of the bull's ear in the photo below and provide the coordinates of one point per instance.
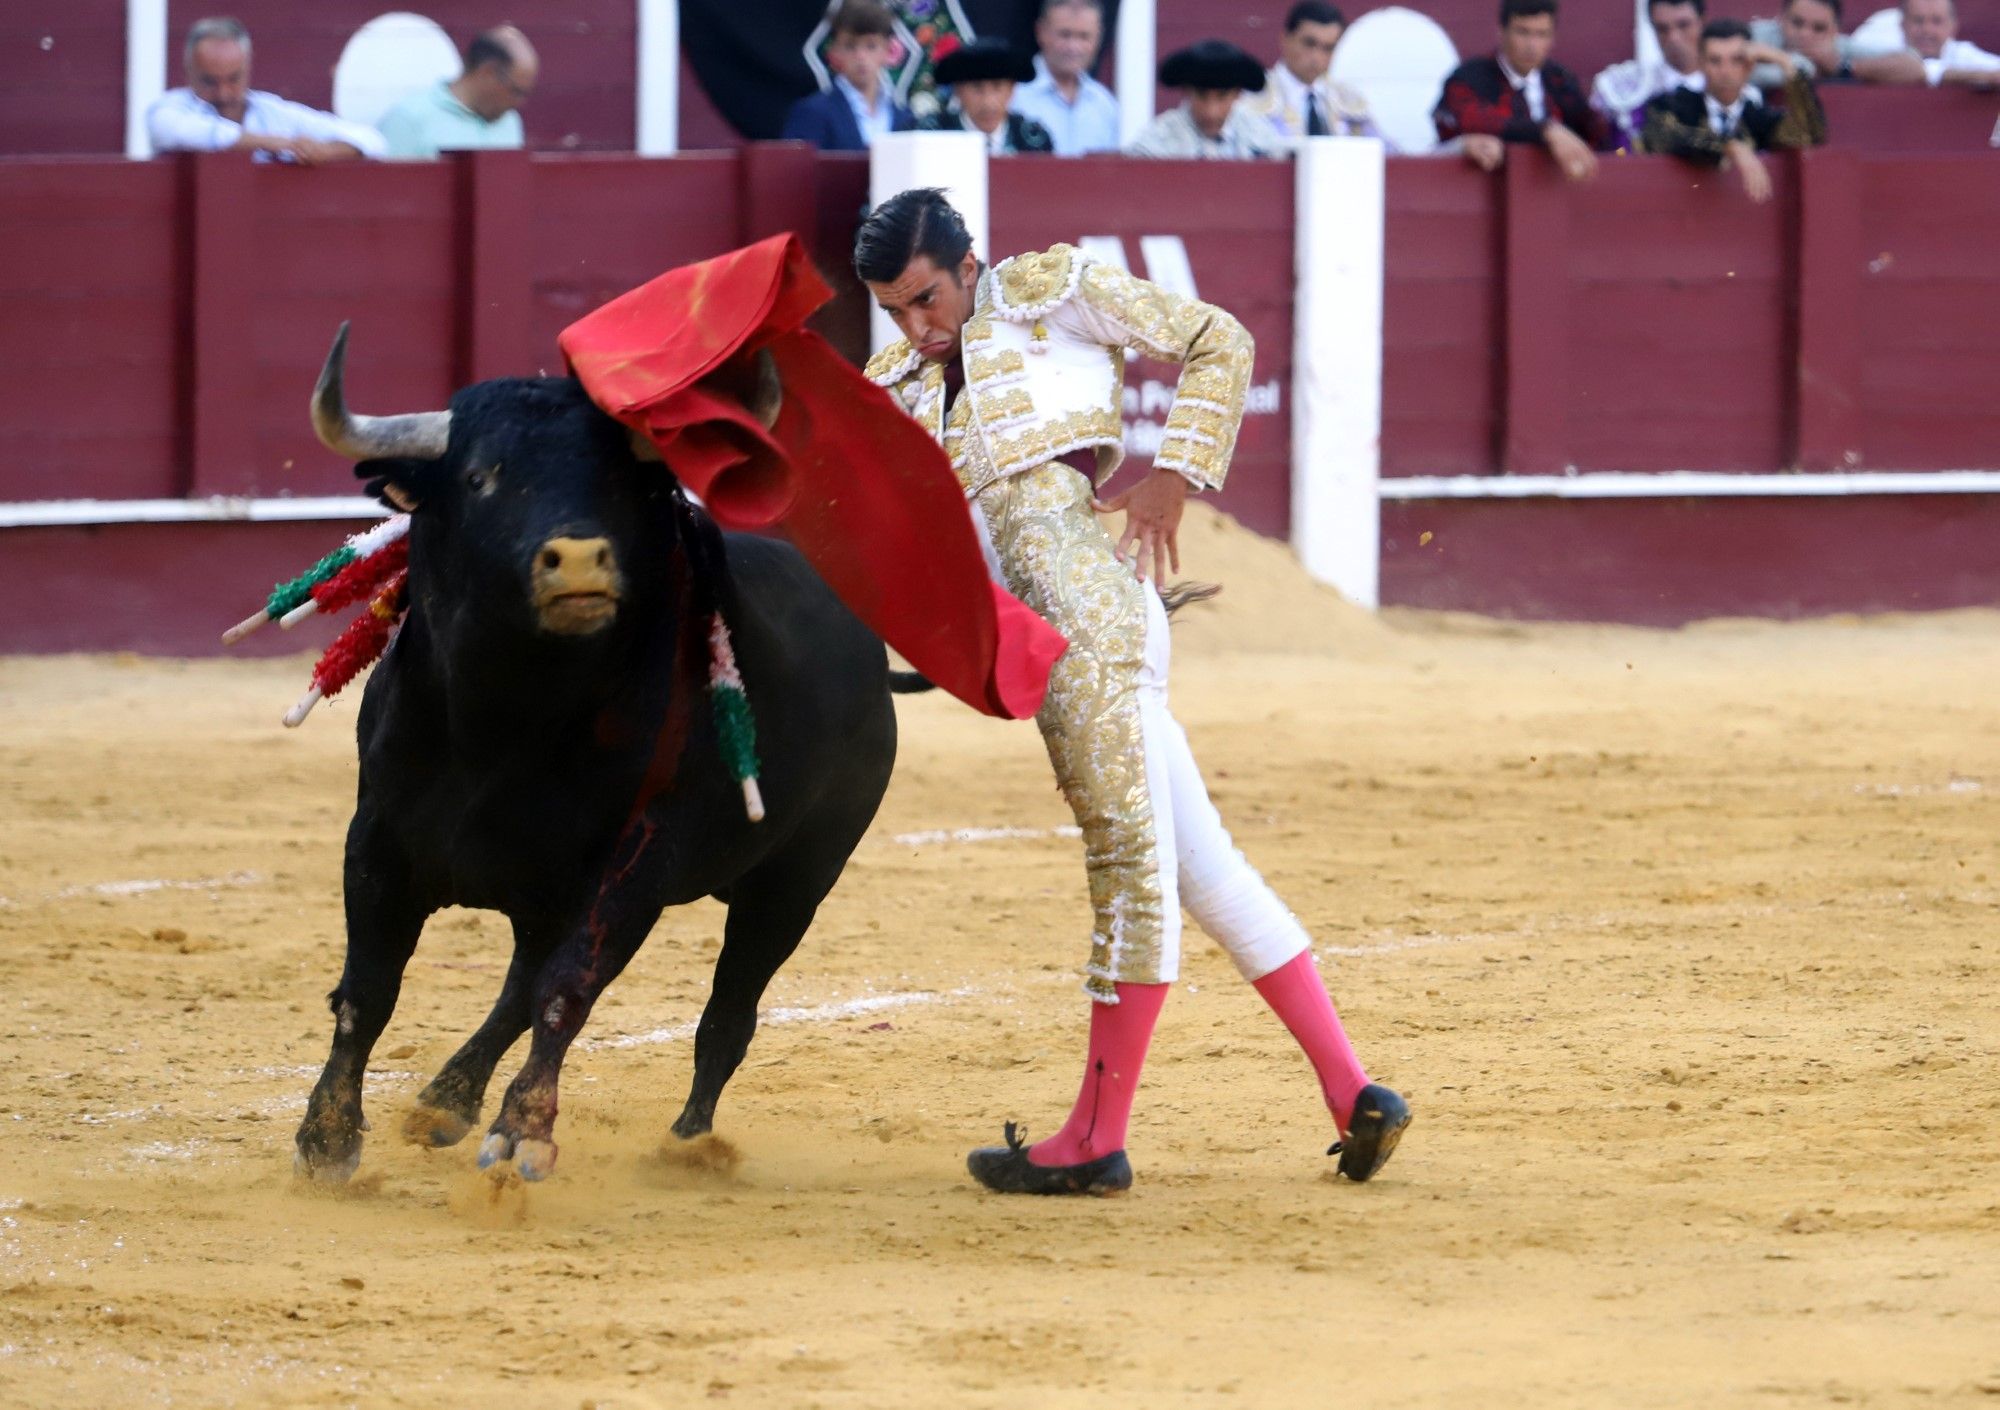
(400, 484)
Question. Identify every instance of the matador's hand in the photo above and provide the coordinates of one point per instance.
(1153, 510)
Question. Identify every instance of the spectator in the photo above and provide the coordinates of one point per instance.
(1810, 29)
(1519, 96)
(1725, 123)
(1210, 122)
(859, 107)
(1622, 90)
(478, 109)
(1300, 98)
(1078, 112)
(982, 76)
(220, 112)
(1930, 28)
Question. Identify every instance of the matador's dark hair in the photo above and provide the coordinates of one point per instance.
(1525, 9)
(1700, 6)
(1724, 28)
(908, 224)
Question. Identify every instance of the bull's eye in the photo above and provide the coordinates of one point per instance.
(478, 481)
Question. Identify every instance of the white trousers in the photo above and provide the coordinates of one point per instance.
(1201, 867)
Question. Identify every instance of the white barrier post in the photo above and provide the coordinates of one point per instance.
(657, 122)
(1337, 365)
(145, 69)
(1137, 42)
(955, 161)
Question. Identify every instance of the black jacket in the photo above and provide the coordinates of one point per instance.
(1676, 123)
(1024, 134)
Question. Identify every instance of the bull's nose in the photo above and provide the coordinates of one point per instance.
(580, 556)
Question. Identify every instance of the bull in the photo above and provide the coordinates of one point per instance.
(537, 742)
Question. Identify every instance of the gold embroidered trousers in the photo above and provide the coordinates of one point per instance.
(1152, 838)
(1057, 559)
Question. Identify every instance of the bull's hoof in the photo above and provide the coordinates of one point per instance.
(434, 1126)
(326, 1167)
(495, 1148)
(535, 1160)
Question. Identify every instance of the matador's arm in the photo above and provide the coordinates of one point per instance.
(1214, 350)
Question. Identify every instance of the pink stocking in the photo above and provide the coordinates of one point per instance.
(1119, 1034)
(1295, 994)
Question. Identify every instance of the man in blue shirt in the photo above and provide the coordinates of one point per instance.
(859, 107)
(477, 110)
(1079, 112)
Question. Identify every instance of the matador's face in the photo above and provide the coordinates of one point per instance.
(930, 305)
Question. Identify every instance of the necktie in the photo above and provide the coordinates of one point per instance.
(1315, 124)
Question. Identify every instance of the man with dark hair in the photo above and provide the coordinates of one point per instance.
(1018, 370)
(1621, 91)
(219, 111)
(1810, 30)
(1209, 123)
(1080, 114)
(1725, 123)
(1518, 95)
(859, 106)
(1300, 98)
(982, 76)
(480, 109)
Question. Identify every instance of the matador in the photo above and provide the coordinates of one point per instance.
(1018, 370)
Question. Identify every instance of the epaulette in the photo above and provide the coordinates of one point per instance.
(892, 364)
(1029, 286)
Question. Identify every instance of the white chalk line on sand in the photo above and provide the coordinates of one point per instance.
(808, 1013)
(141, 887)
(941, 836)
(1957, 783)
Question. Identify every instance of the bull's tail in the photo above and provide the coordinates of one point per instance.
(1187, 594)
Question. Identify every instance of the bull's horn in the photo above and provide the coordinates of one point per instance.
(765, 397)
(768, 394)
(420, 435)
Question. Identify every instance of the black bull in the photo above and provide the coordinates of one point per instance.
(550, 674)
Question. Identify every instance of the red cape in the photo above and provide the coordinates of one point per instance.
(846, 475)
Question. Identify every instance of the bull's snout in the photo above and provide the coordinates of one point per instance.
(576, 585)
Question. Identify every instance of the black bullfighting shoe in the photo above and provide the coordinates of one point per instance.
(1008, 1171)
(1380, 1117)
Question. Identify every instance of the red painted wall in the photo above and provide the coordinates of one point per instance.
(162, 323)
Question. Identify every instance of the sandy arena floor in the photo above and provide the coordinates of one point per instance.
(1683, 947)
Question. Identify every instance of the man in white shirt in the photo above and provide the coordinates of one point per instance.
(1810, 30)
(1930, 27)
(1079, 113)
(1300, 98)
(1622, 91)
(220, 112)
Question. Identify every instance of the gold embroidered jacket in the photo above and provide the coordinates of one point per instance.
(1045, 353)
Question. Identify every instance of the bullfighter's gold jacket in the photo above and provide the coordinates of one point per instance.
(1045, 353)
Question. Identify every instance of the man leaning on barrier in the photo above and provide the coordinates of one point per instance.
(219, 111)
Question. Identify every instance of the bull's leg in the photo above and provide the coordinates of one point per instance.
(384, 918)
(768, 917)
(448, 1108)
(561, 996)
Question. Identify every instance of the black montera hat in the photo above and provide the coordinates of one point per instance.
(984, 59)
(1213, 63)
